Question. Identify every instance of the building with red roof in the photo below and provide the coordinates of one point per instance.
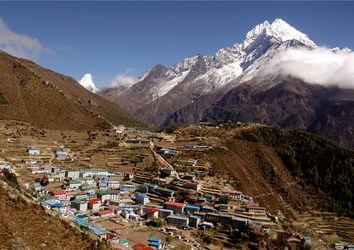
(176, 207)
(142, 246)
(152, 212)
(255, 209)
(94, 203)
(235, 195)
(59, 195)
(104, 213)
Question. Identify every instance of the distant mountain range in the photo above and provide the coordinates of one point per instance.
(241, 83)
(31, 93)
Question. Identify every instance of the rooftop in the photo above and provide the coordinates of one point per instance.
(52, 203)
(104, 212)
(79, 201)
(178, 217)
(74, 182)
(141, 246)
(153, 209)
(175, 204)
(193, 207)
(60, 192)
(155, 239)
(94, 200)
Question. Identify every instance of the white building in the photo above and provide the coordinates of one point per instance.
(74, 184)
(80, 205)
(114, 195)
(94, 204)
(33, 150)
(73, 174)
(235, 195)
(104, 197)
(113, 184)
(90, 182)
(59, 176)
(120, 129)
(61, 154)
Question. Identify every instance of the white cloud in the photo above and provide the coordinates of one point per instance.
(317, 66)
(18, 44)
(123, 80)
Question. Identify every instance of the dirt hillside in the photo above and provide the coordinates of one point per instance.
(31, 93)
(25, 225)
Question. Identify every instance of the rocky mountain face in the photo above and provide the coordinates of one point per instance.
(31, 93)
(234, 84)
(291, 103)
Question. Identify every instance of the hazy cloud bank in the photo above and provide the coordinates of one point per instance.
(18, 44)
(317, 66)
(123, 80)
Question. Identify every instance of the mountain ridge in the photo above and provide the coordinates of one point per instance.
(51, 100)
(190, 90)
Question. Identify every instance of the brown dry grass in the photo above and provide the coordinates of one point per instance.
(28, 226)
(50, 100)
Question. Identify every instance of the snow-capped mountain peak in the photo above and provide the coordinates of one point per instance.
(240, 60)
(287, 32)
(278, 29)
(254, 33)
(198, 75)
(87, 82)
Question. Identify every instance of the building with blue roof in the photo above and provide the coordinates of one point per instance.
(155, 242)
(142, 198)
(51, 204)
(128, 188)
(190, 209)
(208, 209)
(102, 233)
(80, 220)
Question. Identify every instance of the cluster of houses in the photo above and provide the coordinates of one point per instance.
(88, 194)
(198, 147)
(85, 195)
(141, 142)
(166, 151)
(60, 153)
(203, 214)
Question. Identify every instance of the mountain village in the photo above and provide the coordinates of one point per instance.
(149, 191)
(209, 128)
(110, 205)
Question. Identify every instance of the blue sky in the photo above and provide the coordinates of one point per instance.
(112, 38)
